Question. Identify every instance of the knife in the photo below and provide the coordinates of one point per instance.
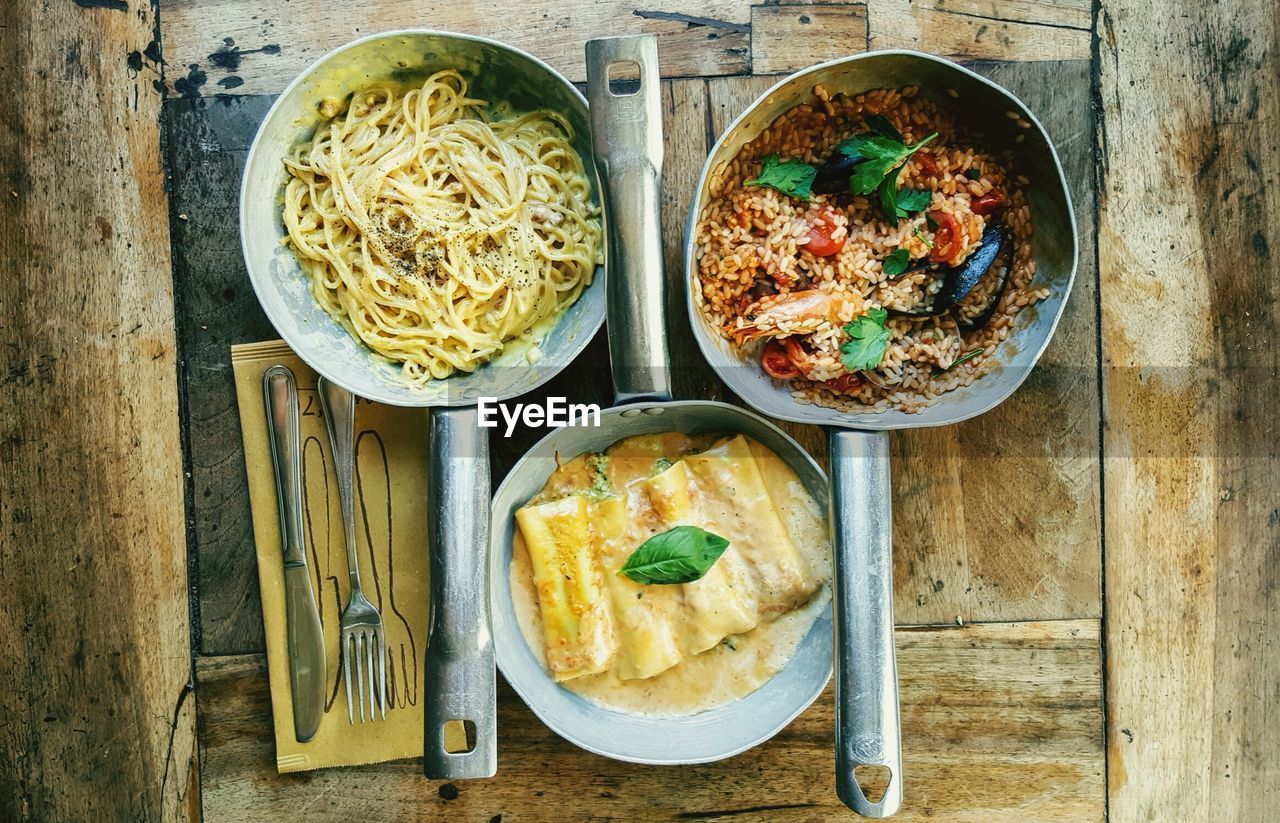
(302, 615)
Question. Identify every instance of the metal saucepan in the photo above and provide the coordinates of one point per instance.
(460, 677)
(867, 729)
(628, 148)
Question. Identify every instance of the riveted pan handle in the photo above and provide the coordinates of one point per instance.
(626, 133)
(460, 677)
(867, 728)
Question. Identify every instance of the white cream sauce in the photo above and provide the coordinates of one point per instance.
(740, 664)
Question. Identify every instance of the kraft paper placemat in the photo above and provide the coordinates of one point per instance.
(391, 536)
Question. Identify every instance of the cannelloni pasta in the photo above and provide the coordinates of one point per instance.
(669, 645)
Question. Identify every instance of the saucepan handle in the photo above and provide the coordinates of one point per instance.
(459, 682)
(867, 731)
(626, 133)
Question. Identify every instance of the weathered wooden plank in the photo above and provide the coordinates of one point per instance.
(1000, 723)
(96, 723)
(1027, 30)
(968, 542)
(1190, 320)
(219, 46)
(206, 147)
(685, 139)
(790, 37)
(998, 518)
(258, 47)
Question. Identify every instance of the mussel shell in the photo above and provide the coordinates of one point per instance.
(958, 281)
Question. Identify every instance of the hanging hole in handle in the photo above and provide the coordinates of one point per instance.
(872, 780)
(624, 78)
(459, 736)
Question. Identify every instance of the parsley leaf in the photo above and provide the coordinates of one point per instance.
(679, 555)
(852, 148)
(973, 174)
(887, 192)
(868, 338)
(920, 235)
(880, 124)
(896, 263)
(913, 200)
(883, 155)
(791, 177)
(896, 203)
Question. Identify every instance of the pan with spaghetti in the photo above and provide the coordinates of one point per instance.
(420, 224)
(420, 221)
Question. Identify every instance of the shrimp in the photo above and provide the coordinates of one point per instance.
(780, 315)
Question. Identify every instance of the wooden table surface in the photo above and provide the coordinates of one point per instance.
(1087, 577)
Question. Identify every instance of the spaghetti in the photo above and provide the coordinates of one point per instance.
(437, 232)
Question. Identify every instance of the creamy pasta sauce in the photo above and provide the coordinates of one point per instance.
(738, 665)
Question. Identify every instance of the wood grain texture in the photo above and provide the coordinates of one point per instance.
(206, 147)
(96, 719)
(790, 37)
(1030, 30)
(686, 140)
(219, 46)
(1004, 723)
(970, 541)
(1191, 160)
(999, 517)
(258, 47)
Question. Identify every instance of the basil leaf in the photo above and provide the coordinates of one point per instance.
(791, 177)
(913, 200)
(868, 339)
(880, 124)
(679, 555)
(896, 263)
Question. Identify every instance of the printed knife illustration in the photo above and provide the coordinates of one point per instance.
(302, 615)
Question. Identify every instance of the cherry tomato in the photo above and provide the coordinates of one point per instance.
(776, 363)
(946, 238)
(847, 383)
(820, 243)
(928, 166)
(987, 203)
(799, 355)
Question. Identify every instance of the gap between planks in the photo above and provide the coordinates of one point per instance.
(1001, 722)
(244, 47)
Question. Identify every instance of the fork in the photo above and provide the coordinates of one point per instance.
(361, 623)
